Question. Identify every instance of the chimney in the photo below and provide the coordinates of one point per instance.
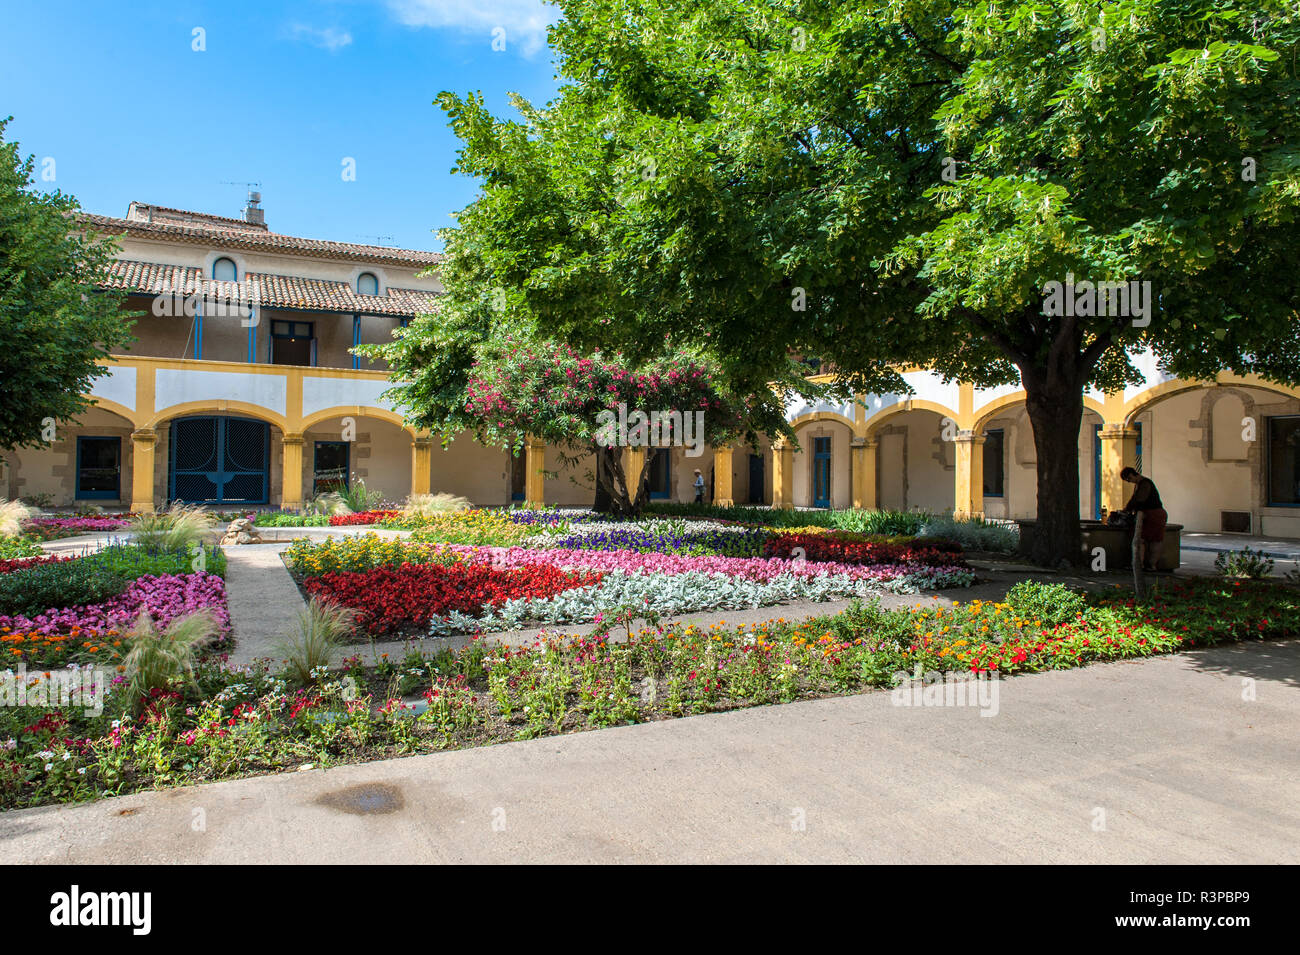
(254, 214)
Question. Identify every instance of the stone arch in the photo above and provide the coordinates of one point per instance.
(999, 406)
(1144, 400)
(804, 420)
(880, 418)
(121, 410)
(241, 409)
(363, 411)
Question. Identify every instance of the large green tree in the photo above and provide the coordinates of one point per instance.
(54, 324)
(899, 182)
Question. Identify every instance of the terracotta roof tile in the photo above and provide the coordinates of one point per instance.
(236, 234)
(274, 291)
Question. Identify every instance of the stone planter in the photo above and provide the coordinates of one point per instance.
(1117, 542)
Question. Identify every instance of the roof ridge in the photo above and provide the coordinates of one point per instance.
(256, 238)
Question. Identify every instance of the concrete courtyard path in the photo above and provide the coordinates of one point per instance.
(263, 600)
(1154, 761)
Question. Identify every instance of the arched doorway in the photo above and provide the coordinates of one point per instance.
(219, 459)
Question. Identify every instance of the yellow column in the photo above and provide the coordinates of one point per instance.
(291, 457)
(534, 472)
(864, 473)
(1118, 451)
(421, 464)
(970, 475)
(633, 465)
(722, 492)
(782, 475)
(142, 448)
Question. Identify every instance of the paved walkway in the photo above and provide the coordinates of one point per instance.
(264, 601)
(1155, 761)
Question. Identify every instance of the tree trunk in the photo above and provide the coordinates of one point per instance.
(604, 502)
(1056, 414)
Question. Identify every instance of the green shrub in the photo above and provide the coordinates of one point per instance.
(32, 590)
(1050, 603)
(975, 533)
(1248, 563)
(288, 519)
(887, 523)
(870, 622)
(12, 547)
(130, 561)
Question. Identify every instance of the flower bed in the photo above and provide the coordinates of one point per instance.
(390, 598)
(165, 597)
(12, 548)
(616, 579)
(231, 723)
(858, 549)
(53, 528)
(362, 517)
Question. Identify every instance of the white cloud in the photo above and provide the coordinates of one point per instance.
(524, 21)
(327, 39)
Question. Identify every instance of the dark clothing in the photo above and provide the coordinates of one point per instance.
(1145, 497)
(1153, 524)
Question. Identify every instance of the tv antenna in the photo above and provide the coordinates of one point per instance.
(253, 189)
(379, 239)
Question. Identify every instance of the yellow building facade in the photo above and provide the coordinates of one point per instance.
(265, 405)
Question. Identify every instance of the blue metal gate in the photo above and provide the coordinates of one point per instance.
(219, 460)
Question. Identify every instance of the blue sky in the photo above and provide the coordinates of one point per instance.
(116, 95)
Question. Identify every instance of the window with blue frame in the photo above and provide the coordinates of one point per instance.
(224, 270)
(994, 463)
(821, 472)
(661, 473)
(367, 284)
(99, 468)
(518, 474)
(1284, 461)
(293, 343)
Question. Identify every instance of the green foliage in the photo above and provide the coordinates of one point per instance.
(975, 533)
(1247, 563)
(55, 324)
(287, 519)
(160, 659)
(181, 527)
(130, 561)
(28, 591)
(320, 629)
(358, 498)
(884, 522)
(1050, 603)
(890, 184)
(12, 547)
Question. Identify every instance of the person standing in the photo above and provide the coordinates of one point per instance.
(1149, 520)
(699, 486)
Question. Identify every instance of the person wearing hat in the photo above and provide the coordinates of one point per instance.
(699, 486)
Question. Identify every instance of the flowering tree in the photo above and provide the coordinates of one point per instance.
(602, 404)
